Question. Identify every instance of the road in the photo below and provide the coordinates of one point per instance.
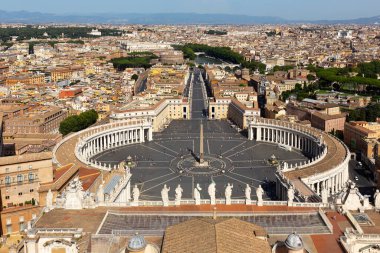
(199, 97)
(362, 178)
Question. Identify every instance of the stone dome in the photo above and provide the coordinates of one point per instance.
(294, 242)
(136, 243)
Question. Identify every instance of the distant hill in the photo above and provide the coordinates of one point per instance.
(161, 18)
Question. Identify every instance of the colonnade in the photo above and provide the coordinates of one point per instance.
(298, 140)
(334, 183)
(311, 143)
(99, 143)
(103, 140)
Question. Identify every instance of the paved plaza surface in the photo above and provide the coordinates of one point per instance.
(171, 157)
(157, 161)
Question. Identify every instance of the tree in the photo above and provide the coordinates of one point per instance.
(79, 122)
(310, 77)
(135, 77)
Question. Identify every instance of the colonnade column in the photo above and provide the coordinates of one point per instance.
(142, 137)
(258, 133)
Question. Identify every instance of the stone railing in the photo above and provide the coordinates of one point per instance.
(152, 203)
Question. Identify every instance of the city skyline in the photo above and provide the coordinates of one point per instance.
(294, 9)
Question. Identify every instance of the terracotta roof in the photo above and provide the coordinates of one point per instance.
(327, 116)
(61, 176)
(87, 177)
(221, 235)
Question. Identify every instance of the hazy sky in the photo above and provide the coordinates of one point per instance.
(290, 9)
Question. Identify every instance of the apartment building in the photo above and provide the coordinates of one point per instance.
(20, 177)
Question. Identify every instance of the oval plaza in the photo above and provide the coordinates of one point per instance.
(187, 151)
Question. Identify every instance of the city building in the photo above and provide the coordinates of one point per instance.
(40, 119)
(363, 138)
(20, 179)
(322, 115)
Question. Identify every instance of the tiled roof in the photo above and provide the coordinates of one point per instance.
(25, 158)
(220, 236)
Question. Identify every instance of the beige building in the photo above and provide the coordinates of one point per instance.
(363, 137)
(41, 119)
(159, 111)
(324, 116)
(232, 98)
(20, 177)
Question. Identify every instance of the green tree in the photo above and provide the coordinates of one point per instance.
(310, 77)
(79, 122)
(135, 77)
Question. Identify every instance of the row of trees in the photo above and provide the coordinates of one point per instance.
(215, 32)
(369, 113)
(222, 53)
(337, 75)
(300, 93)
(28, 32)
(79, 122)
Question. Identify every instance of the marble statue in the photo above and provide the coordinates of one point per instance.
(211, 192)
(324, 195)
(286, 166)
(259, 193)
(49, 200)
(197, 194)
(228, 193)
(290, 196)
(247, 192)
(178, 195)
(136, 195)
(320, 139)
(376, 199)
(165, 195)
(74, 196)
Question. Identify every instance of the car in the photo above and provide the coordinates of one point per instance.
(356, 178)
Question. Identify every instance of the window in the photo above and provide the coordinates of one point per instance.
(19, 178)
(6, 169)
(22, 226)
(20, 193)
(31, 177)
(7, 180)
(9, 229)
(31, 190)
(6, 197)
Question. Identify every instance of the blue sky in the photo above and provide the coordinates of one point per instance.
(290, 9)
